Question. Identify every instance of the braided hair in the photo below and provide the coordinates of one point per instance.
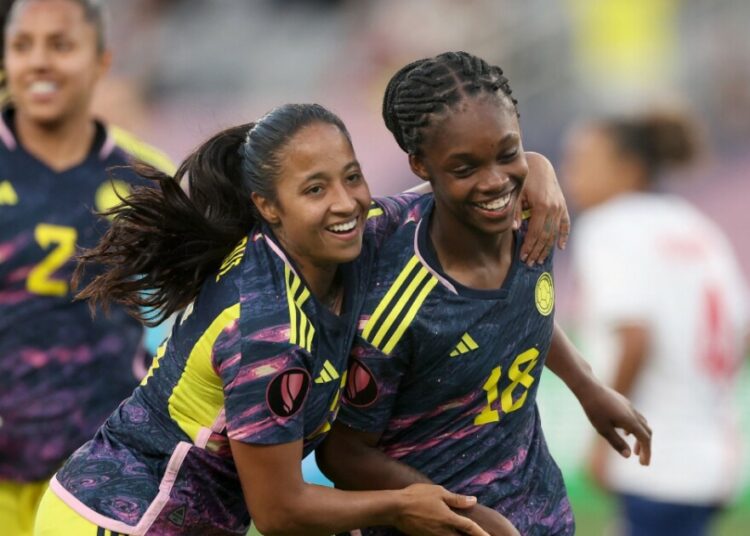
(431, 86)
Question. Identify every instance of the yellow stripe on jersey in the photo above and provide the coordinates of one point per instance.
(160, 351)
(301, 330)
(333, 409)
(233, 259)
(198, 397)
(374, 211)
(404, 298)
(142, 151)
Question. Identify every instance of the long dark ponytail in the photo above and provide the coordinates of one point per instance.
(164, 242)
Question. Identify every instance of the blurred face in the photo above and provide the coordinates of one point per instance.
(592, 167)
(475, 162)
(322, 198)
(51, 61)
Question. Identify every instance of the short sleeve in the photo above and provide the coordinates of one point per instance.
(388, 213)
(372, 386)
(265, 391)
(614, 272)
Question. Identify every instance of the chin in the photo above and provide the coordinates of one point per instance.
(48, 119)
(349, 254)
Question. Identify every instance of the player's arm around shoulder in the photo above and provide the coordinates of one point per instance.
(543, 202)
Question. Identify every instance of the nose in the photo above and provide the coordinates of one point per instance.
(342, 202)
(495, 178)
(38, 57)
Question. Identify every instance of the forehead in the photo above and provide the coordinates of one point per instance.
(314, 148)
(46, 16)
(472, 124)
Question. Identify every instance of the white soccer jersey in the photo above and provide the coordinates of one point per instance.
(653, 259)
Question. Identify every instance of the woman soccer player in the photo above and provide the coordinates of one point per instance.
(61, 373)
(263, 261)
(664, 316)
(456, 328)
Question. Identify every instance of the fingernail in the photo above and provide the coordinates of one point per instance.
(524, 256)
(471, 499)
(626, 453)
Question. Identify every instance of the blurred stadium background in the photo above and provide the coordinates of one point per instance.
(185, 68)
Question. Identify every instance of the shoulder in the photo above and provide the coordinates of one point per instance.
(129, 147)
(267, 281)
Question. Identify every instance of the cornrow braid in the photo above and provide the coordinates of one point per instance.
(432, 85)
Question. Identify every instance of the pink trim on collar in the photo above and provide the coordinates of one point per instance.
(7, 136)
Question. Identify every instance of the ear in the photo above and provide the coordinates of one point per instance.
(418, 168)
(105, 63)
(269, 211)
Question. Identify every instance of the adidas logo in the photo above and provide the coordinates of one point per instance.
(328, 374)
(8, 195)
(466, 345)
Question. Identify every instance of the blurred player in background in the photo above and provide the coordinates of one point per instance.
(664, 316)
(61, 373)
(457, 328)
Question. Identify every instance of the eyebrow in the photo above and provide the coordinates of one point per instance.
(322, 175)
(508, 138)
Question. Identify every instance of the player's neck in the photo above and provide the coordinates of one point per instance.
(475, 260)
(60, 145)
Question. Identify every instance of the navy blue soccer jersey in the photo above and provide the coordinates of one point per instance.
(449, 376)
(257, 359)
(61, 372)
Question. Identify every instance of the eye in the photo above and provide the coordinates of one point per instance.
(20, 46)
(62, 45)
(354, 178)
(509, 156)
(314, 190)
(462, 172)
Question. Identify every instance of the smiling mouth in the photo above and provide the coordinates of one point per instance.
(343, 228)
(498, 204)
(43, 88)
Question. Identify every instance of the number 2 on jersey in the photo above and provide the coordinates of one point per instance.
(63, 240)
(519, 373)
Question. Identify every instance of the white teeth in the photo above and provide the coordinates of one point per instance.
(498, 204)
(343, 227)
(43, 87)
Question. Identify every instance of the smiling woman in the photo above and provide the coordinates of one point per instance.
(329, 214)
(55, 388)
(275, 224)
(456, 329)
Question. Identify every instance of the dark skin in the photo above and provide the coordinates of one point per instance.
(476, 165)
(319, 187)
(543, 202)
(476, 155)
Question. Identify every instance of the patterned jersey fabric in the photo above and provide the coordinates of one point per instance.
(61, 372)
(449, 376)
(255, 358)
